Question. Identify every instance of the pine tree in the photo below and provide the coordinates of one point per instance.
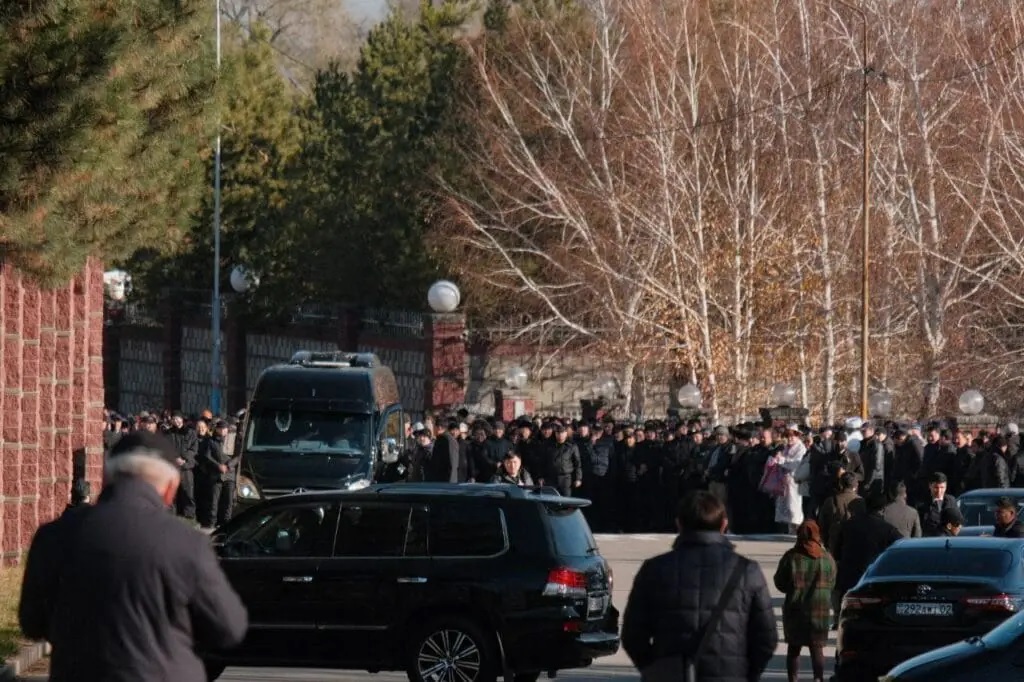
(386, 132)
(105, 108)
(261, 135)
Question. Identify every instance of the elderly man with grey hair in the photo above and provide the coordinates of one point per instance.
(123, 590)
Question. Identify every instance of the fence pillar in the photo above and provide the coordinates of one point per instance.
(445, 338)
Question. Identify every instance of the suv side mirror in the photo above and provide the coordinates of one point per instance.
(389, 451)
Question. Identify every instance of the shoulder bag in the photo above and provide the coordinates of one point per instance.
(684, 668)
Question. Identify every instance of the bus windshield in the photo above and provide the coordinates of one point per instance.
(309, 432)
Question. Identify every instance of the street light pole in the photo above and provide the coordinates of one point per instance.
(215, 308)
(865, 232)
(865, 285)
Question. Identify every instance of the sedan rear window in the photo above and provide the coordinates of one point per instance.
(972, 563)
(979, 511)
(570, 531)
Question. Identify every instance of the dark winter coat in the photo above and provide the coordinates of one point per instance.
(186, 442)
(931, 515)
(903, 518)
(858, 543)
(126, 592)
(673, 596)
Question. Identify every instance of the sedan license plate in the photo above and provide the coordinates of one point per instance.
(597, 604)
(919, 609)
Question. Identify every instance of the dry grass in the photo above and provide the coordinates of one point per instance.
(10, 590)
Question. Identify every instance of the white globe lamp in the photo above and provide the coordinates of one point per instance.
(516, 378)
(689, 397)
(783, 395)
(972, 402)
(443, 296)
(242, 280)
(880, 404)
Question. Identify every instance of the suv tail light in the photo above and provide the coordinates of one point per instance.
(565, 582)
(995, 602)
(853, 602)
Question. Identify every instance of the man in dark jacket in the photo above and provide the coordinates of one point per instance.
(674, 594)
(931, 510)
(859, 541)
(446, 463)
(565, 469)
(872, 454)
(1007, 524)
(218, 498)
(186, 444)
(122, 590)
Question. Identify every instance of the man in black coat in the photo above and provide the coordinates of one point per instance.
(859, 542)
(1007, 524)
(931, 510)
(446, 463)
(674, 594)
(122, 590)
(218, 495)
(565, 469)
(186, 444)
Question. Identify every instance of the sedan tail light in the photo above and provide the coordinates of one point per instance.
(995, 602)
(855, 602)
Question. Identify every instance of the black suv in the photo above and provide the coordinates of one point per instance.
(449, 582)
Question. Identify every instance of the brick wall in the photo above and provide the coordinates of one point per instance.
(51, 398)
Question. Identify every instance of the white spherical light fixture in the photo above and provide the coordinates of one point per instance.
(972, 402)
(117, 284)
(689, 397)
(516, 378)
(783, 395)
(880, 404)
(443, 296)
(242, 280)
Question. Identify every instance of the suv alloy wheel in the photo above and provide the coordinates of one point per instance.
(453, 649)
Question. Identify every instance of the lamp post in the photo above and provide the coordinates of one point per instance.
(971, 402)
(215, 306)
(865, 211)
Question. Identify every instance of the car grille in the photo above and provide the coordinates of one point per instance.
(271, 493)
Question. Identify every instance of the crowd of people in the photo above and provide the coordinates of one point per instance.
(770, 478)
(205, 458)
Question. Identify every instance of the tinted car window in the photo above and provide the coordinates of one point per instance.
(463, 530)
(983, 563)
(979, 511)
(570, 532)
(296, 531)
(378, 530)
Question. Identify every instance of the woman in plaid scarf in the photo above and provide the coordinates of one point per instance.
(806, 575)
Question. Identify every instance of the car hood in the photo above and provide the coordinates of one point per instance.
(918, 666)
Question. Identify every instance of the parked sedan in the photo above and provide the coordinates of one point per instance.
(979, 508)
(927, 593)
(998, 655)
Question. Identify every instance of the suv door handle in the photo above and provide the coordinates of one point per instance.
(297, 579)
(412, 581)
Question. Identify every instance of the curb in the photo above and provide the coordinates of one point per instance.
(29, 655)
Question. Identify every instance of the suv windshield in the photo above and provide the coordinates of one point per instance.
(306, 432)
(982, 563)
(570, 532)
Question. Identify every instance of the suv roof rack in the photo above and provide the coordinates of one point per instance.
(334, 358)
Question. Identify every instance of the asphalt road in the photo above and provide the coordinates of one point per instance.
(625, 552)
